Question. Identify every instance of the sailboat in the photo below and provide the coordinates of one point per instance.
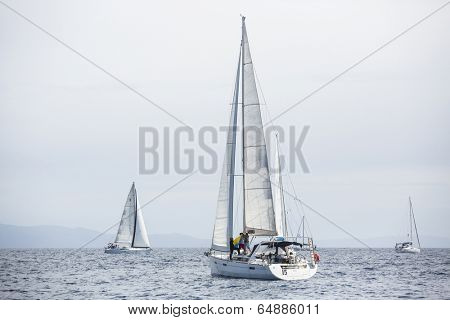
(132, 234)
(274, 255)
(409, 246)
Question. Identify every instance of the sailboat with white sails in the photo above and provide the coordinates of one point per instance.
(274, 255)
(413, 235)
(132, 234)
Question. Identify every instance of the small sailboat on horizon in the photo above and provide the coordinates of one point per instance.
(275, 255)
(132, 234)
(409, 246)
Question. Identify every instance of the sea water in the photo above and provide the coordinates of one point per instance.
(185, 274)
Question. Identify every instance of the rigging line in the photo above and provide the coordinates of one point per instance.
(272, 124)
(289, 219)
(271, 121)
(354, 65)
(300, 226)
(233, 89)
(306, 232)
(302, 210)
(263, 97)
(290, 229)
(259, 85)
(325, 218)
(298, 205)
(308, 227)
(78, 53)
(334, 224)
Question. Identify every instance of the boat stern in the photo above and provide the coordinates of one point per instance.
(293, 271)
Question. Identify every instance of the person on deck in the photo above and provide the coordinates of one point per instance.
(241, 243)
(236, 243)
(246, 242)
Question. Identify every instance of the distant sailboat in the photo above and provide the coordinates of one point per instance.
(274, 255)
(409, 246)
(132, 235)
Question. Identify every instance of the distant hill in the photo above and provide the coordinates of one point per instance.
(49, 237)
(63, 237)
(176, 240)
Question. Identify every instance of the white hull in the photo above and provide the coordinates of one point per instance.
(242, 269)
(126, 250)
(407, 250)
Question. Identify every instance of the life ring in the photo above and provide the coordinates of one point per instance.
(316, 257)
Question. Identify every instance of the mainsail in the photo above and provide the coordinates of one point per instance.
(132, 232)
(223, 228)
(259, 217)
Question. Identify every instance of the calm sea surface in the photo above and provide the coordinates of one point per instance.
(185, 274)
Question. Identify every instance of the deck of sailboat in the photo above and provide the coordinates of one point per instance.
(253, 257)
(257, 269)
(127, 250)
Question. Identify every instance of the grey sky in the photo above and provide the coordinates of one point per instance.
(69, 133)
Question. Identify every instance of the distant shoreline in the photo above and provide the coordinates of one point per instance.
(58, 237)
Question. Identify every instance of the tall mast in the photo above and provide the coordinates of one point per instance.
(135, 214)
(410, 220)
(303, 232)
(243, 131)
(233, 151)
(285, 231)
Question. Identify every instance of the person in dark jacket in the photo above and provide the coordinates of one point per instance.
(231, 248)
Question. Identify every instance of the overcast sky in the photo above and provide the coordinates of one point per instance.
(69, 132)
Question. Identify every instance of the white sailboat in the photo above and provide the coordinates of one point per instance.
(409, 246)
(132, 234)
(274, 255)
